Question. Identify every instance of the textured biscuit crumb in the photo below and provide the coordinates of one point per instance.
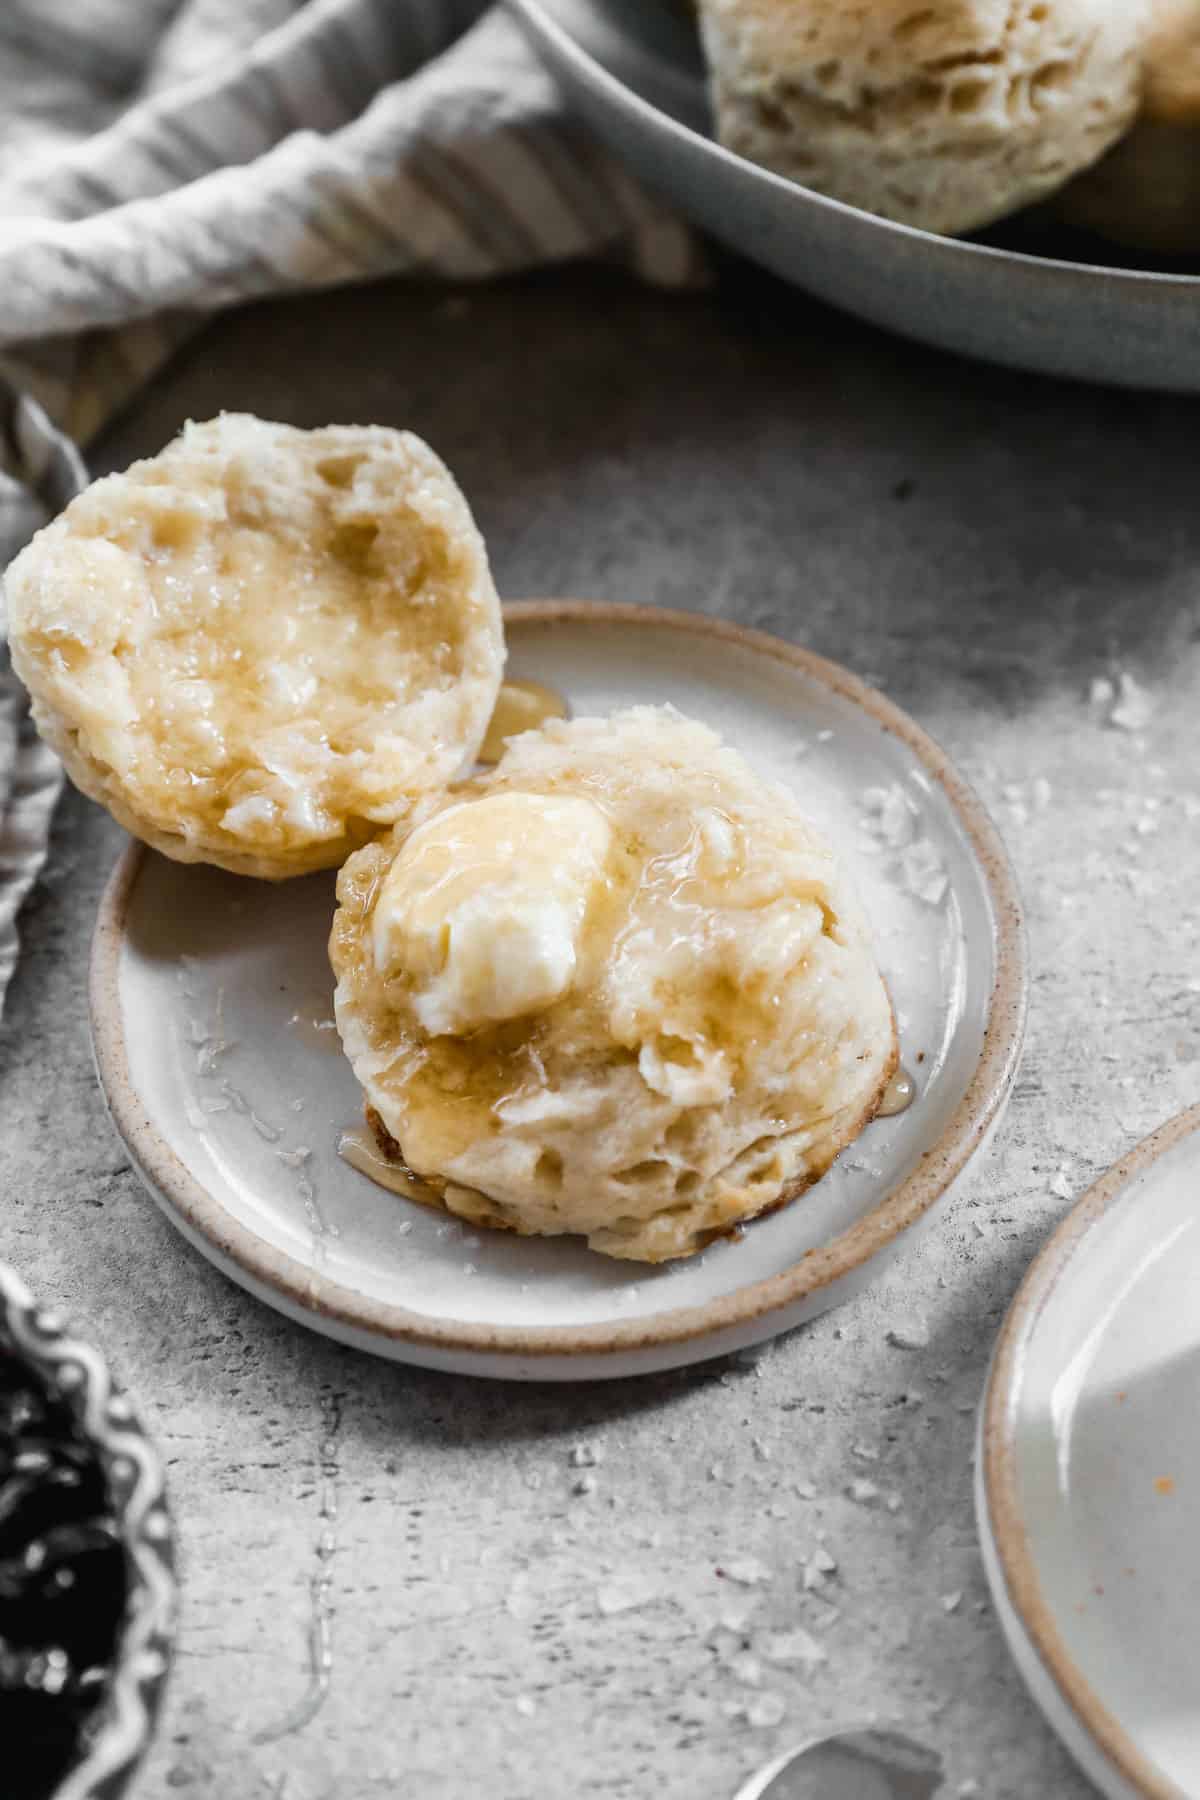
(727, 1032)
(944, 116)
(258, 647)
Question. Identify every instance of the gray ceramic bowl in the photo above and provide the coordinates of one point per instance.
(77, 1375)
(633, 70)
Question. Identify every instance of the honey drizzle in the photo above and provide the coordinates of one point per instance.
(358, 1148)
(898, 1095)
(520, 706)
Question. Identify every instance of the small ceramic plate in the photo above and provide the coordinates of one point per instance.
(211, 1018)
(1089, 1473)
(634, 71)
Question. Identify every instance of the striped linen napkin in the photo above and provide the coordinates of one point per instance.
(163, 158)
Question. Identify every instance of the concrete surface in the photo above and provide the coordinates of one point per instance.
(985, 546)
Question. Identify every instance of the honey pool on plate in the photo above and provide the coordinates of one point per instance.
(520, 706)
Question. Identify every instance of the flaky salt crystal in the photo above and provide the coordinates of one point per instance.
(745, 1668)
(1134, 706)
(766, 1710)
(791, 1647)
(747, 1571)
(626, 1593)
(889, 815)
(922, 873)
(912, 1334)
(519, 1603)
(734, 1616)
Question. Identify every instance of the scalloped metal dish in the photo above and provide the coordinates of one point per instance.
(78, 1374)
(632, 69)
(211, 1023)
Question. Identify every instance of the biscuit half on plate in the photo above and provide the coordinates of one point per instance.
(263, 645)
(617, 987)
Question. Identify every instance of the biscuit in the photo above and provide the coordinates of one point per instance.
(1146, 191)
(616, 986)
(945, 115)
(261, 646)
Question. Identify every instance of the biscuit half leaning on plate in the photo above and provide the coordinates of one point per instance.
(945, 114)
(617, 986)
(1146, 191)
(261, 646)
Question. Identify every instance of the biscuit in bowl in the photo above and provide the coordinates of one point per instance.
(945, 115)
(263, 645)
(1146, 192)
(616, 986)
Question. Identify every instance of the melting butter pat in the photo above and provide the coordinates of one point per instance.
(484, 906)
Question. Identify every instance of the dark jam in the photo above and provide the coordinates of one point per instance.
(63, 1586)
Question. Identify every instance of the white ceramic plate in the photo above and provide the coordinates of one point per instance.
(1089, 1473)
(633, 69)
(211, 1022)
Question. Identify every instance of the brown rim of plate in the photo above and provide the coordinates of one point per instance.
(312, 1292)
(1004, 1519)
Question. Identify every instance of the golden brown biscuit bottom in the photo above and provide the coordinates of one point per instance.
(432, 1192)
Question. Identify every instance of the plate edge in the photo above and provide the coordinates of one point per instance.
(997, 1507)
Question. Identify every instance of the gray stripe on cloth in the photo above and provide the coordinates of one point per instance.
(573, 173)
(343, 75)
(33, 787)
(53, 41)
(338, 202)
(42, 471)
(459, 187)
